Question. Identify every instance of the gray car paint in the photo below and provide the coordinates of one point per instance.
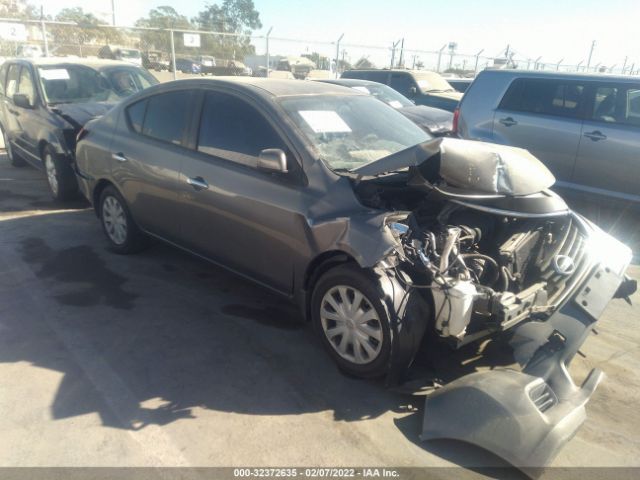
(607, 167)
(276, 230)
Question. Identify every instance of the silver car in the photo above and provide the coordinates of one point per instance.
(585, 128)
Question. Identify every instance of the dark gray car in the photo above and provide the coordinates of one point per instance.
(382, 235)
(435, 121)
(46, 101)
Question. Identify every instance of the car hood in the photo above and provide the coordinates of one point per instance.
(435, 120)
(471, 167)
(80, 113)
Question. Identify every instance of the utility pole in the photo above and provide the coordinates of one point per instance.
(593, 45)
(338, 53)
(173, 56)
(266, 46)
(440, 56)
(394, 45)
(113, 12)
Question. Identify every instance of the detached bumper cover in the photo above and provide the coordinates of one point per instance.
(527, 416)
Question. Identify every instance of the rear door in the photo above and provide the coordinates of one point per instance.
(543, 116)
(608, 157)
(235, 214)
(146, 158)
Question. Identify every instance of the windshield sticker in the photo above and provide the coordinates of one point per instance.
(362, 89)
(424, 84)
(324, 121)
(54, 74)
(395, 104)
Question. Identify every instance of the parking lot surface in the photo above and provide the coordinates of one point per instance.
(161, 359)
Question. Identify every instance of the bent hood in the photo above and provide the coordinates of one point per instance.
(472, 166)
(77, 114)
(435, 120)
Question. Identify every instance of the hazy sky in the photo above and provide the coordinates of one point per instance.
(553, 29)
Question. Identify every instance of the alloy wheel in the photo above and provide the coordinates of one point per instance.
(351, 324)
(52, 174)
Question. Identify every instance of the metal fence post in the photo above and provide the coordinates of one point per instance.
(440, 57)
(43, 27)
(338, 54)
(173, 56)
(475, 69)
(267, 51)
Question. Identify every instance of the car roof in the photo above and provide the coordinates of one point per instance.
(96, 63)
(564, 75)
(270, 87)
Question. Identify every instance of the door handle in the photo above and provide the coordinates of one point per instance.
(508, 122)
(198, 183)
(595, 135)
(119, 157)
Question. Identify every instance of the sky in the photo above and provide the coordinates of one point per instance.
(552, 29)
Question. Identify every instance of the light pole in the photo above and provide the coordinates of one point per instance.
(113, 12)
(338, 53)
(268, 59)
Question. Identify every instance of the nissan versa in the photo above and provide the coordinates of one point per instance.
(383, 235)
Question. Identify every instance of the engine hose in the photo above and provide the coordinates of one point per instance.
(496, 267)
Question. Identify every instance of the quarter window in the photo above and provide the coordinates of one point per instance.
(12, 80)
(166, 116)
(545, 97)
(232, 129)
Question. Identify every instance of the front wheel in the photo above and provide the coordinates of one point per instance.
(123, 234)
(61, 179)
(353, 325)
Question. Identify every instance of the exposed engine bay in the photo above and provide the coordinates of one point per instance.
(488, 266)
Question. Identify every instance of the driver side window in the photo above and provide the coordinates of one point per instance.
(402, 83)
(25, 85)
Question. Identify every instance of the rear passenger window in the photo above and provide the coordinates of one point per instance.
(545, 97)
(166, 116)
(135, 115)
(234, 130)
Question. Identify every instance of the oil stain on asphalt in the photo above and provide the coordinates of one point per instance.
(268, 315)
(82, 266)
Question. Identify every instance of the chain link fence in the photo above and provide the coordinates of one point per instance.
(182, 52)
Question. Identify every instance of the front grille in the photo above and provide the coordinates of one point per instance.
(543, 397)
(569, 241)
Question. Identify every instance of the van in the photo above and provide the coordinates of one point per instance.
(585, 128)
(421, 86)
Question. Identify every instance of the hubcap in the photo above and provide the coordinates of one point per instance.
(351, 324)
(115, 222)
(52, 176)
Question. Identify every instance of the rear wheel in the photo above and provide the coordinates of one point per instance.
(14, 159)
(351, 321)
(123, 234)
(61, 179)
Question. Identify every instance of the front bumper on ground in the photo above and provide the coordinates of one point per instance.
(526, 416)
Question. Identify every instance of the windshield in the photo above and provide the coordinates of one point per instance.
(82, 84)
(349, 132)
(432, 82)
(387, 94)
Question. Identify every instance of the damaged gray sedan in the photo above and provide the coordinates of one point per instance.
(384, 237)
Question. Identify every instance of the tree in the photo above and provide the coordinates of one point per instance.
(86, 31)
(164, 17)
(18, 9)
(238, 17)
(364, 62)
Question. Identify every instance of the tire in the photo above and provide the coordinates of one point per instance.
(14, 159)
(366, 346)
(61, 178)
(122, 233)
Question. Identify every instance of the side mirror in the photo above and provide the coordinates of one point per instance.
(413, 91)
(21, 100)
(272, 160)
